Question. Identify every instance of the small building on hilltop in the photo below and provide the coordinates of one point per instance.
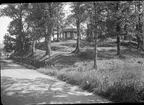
(69, 33)
(65, 34)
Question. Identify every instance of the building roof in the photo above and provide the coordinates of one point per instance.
(69, 29)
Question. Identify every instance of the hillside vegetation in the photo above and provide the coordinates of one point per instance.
(119, 79)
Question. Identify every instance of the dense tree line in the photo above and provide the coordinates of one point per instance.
(32, 21)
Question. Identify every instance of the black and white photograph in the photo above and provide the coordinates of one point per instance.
(74, 52)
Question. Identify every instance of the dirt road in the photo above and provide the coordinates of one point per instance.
(23, 86)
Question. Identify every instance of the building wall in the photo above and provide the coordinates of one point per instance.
(69, 35)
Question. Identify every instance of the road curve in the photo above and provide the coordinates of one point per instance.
(23, 86)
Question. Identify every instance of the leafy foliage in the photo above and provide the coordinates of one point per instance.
(9, 43)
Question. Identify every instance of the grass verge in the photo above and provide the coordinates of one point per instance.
(119, 80)
(123, 85)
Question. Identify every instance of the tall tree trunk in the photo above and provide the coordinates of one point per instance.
(21, 32)
(57, 33)
(138, 35)
(138, 40)
(138, 28)
(95, 50)
(143, 24)
(33, 46)
(125, 37)
(78, 36)
(19, 42)
(118, 44)
(130, 41)
(95, 37)
(118, 31)
(77, 50)
(126, 34)
(47, 43)
(49, 30)
(91, 30)
(48, 40)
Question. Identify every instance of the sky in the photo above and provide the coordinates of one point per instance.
(67, 9)
(4, 22)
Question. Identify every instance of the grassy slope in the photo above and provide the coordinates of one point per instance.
(118, 78)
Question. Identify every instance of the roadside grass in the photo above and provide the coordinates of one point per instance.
(118, 78)
(121, 85)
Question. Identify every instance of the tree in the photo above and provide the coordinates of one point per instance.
(116, 15)
(42, 24)
(50, 11)
(78, 16)
(132, 19)
(90, 21)
(143, 23)
(128, 24)
(99, 18)
(139, 25)
(76, 9)
(136, 22)
(58, 19)
(118, 29)
(35, 24)
(95, 33)
(9, 43)
(17, 13)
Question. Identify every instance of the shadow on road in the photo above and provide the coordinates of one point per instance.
(5, 64)
(24, 91)
(22, 86)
